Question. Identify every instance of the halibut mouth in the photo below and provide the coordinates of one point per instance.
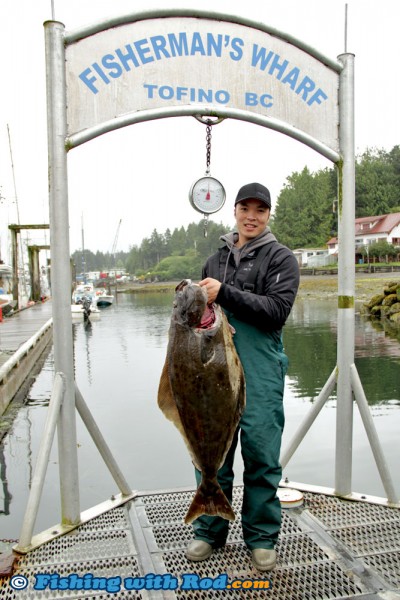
(202, 391)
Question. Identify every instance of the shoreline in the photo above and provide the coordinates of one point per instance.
(311, 286)
(366, 285)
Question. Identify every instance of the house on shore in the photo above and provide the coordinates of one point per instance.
(369, 230)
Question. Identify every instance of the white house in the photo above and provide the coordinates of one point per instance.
(373, 229)
(312, 257)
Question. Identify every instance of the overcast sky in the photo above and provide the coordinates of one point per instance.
(141, 174)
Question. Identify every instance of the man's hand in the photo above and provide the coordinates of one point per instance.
(212, 288)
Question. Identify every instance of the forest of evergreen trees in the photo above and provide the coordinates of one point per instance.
(305, 216)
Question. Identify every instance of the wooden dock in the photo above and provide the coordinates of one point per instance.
(24, 336)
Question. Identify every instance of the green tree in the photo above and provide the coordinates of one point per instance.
(304, 213)
(377, 182)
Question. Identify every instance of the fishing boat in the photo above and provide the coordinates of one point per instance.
(103, 299)
(84, 302)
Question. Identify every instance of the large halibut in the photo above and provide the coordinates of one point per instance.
(202, 391)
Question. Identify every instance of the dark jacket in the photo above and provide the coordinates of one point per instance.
(269, 305)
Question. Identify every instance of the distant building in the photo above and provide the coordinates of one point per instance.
(369, 230)
(313, 257)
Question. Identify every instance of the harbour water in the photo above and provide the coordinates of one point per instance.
(118, 361)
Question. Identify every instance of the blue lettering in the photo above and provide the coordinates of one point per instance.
(127, 58)
(259, 55)
(205, 583)
(222, 97)
(307, 85)
(197, 45)
(169, 582)
(166, 92)
(237, 51)
(276, 65)
(251, 99)
(143, 49)
(220, 582)
(100, 72)
(181, 92)
(159, 46)
(292, 77)
(89, 81)
(114, 68)
(151, 582)
(212, 44)
(150, 88)
(113, 584)
(317, 97)
(134, 583)
(63, 584)
(42, 580)
(178, 46)
(204, 95)
(190, 581)
(75, 582)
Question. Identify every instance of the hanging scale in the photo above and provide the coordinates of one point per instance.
(207, 194)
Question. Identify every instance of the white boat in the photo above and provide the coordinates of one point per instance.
(103, 299)
(84, 302)
(7, 302)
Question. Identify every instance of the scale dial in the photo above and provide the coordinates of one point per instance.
(207, 195)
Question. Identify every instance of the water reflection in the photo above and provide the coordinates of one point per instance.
(118, 362)
(310, 342)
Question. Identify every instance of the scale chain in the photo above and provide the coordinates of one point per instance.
(208, 149)
(205, 224)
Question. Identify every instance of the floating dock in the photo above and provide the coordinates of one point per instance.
(23, 338)
(329, 548)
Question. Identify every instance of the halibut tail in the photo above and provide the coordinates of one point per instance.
(214, 504)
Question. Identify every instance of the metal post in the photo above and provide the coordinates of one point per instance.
(60, 267)
(32, 507)
(346, 279)
(373, 438)
(14, 251)
(101, 444)
(309, 419)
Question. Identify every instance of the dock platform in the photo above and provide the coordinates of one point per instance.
(329, 548)
(23, 338)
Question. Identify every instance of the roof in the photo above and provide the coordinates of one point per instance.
(377, 224)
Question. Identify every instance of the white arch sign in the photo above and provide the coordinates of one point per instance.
(177, 62)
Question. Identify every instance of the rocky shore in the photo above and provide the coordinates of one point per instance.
(386, 304)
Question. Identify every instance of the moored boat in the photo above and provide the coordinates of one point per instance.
(103, 299)
(84, 302)
(7, 301)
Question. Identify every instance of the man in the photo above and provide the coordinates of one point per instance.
(257, 311)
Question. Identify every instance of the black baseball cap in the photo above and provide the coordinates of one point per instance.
(254, 191)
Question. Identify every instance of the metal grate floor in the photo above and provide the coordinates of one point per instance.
(328, 549)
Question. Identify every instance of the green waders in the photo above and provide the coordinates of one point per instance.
(265, 365)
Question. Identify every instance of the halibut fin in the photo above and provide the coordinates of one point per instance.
(214, 505)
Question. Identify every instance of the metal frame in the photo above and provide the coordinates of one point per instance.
(344, 375)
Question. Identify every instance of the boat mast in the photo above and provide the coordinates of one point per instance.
(21, 257)
(83, 252)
